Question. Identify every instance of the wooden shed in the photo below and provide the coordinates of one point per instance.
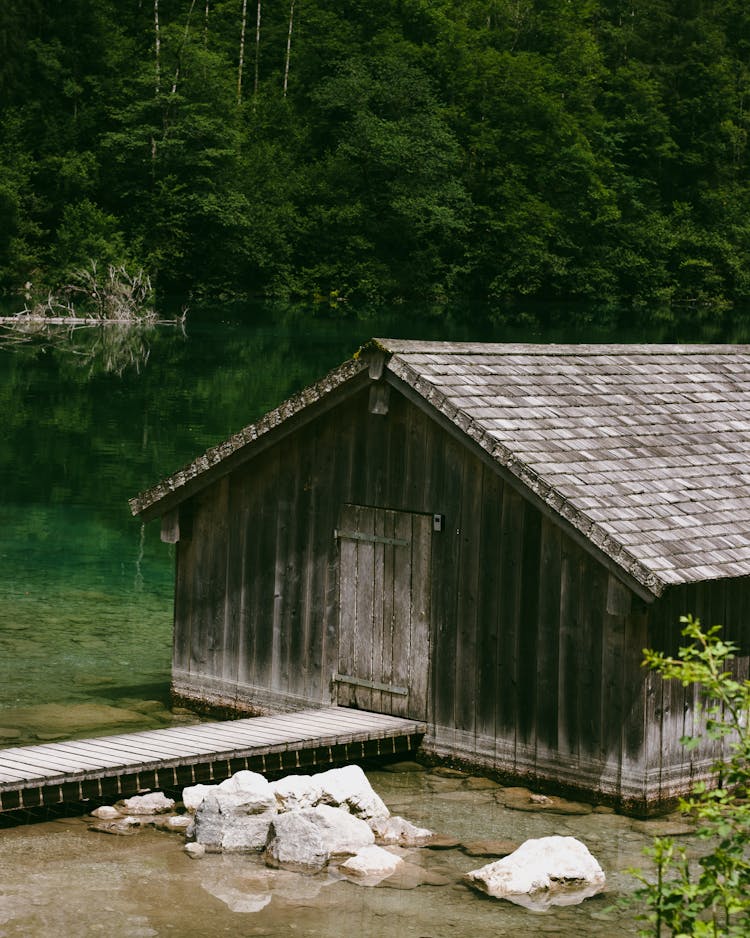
(484, 537)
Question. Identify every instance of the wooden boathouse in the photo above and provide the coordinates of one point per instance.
(481, 537)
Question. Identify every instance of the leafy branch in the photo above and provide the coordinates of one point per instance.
(710, 897)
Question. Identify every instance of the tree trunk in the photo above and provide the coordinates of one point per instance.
(288, 46)
(157, 46)
(182, 46)
(257, 52)
(242, 52)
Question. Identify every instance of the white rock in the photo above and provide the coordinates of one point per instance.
(349, 788)
(105, 812)
(247, 790)
(193, 795)
(178, 822)
(196, 851)
(221, 823)
(155, 802)
(560, 867)
(306, 840)
(371, 863)
(248, 833)
(398, 831)
(296, 792)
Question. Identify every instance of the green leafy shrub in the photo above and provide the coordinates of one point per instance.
(710, 896)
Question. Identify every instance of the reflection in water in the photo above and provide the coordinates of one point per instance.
(99, 346)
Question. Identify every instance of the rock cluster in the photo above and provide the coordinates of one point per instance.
(302, 823)
(335, 821)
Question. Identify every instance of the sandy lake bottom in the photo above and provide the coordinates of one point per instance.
(58, 878)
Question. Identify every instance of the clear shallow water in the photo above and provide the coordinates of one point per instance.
(59, 878)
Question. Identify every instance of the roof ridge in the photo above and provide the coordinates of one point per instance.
(405, 346)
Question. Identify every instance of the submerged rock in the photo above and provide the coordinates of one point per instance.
(521, 799)
(371, 865)
(411, 876)
(400, 767)
(123, 826)
(665, 827)
(490, 848)
(398, 831)
(443, 842)
(542, 872)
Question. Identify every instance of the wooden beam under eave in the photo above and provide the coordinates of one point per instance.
(379, 398)
(170, 526)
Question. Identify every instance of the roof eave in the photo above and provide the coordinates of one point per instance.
(220, 460)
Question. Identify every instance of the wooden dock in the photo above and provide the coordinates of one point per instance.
(105, 768)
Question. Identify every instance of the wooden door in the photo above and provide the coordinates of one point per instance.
(384, 611)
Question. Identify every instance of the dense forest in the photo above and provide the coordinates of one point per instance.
(431, 149)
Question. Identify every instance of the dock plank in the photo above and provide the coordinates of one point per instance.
(70, 770)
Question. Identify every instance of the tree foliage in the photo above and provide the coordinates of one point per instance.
(425, 149)
(709, 898)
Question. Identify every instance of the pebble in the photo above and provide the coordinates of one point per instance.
(195, 851)
(397, 767)
(490, 848)
(105, 813)
(478, 783)
(444, 771)
(443, 842)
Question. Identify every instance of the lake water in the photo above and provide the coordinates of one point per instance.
(90, 419)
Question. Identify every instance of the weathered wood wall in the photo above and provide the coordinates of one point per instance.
(535, 649)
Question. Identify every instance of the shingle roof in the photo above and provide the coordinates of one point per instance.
(644, 449)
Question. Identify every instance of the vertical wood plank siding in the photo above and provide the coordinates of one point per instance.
(534, 654)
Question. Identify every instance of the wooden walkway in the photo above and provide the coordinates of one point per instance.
(109, 767)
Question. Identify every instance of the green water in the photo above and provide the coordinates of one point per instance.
(85, 589)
